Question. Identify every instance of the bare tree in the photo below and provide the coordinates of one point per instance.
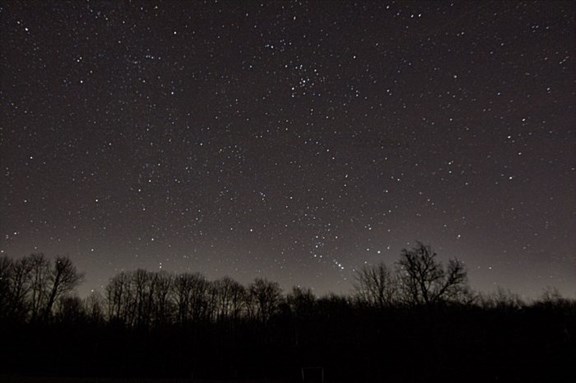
(119, 297)
(20, 286)
(163, 305)
(6, 271)
(238, 300)
(190, 296)
(143, 285)
(230, 298)
(69, 309)
(62, 278)
(302, 304)
(376, 285)
(94, 306)
(502, 299)
(265, 298)
(301, 301)
(424, 280)
(39, 271)
(183, 284)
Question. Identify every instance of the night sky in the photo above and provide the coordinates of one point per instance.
(295, 141)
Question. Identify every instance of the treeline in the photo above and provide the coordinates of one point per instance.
(34, 288)
(418, 320)
(31, 287)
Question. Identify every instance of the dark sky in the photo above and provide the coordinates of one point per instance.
(291, 140)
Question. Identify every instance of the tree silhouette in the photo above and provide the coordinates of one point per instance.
(69, 309)
(230, 298)
(162, 305)
(6, 267)
(265, 298)
(94, 307)
(39, 279)
(20, 282)
(424, 280)
(376, 285)
(165, 325)
(118, 297)
(190, 296)
(62, 278)
(143, 292)
(301, 301)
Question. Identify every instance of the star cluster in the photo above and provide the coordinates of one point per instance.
(292, 140)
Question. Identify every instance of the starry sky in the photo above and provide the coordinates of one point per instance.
(291, 140)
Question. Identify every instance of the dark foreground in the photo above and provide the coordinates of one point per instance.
(349, 343)
(19, 379)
